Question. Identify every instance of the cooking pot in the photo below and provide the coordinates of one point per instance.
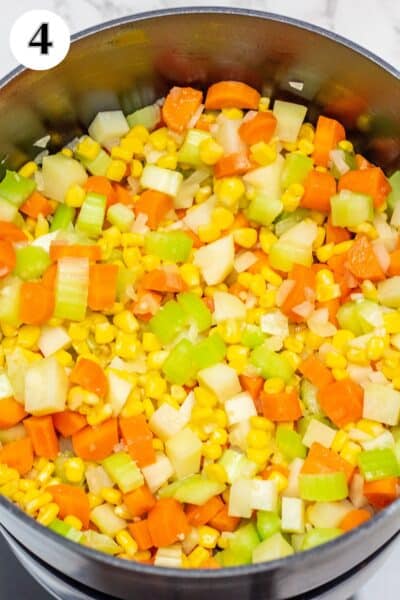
(126, 64)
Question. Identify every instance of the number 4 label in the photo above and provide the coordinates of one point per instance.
(39, 39)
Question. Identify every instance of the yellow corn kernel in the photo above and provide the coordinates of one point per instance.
(369, 290)
(8, 474)
(290, 146)
(254, 315)
(75, 196)
(233, 113)
(339, 374)
(141, 132)
(28, 336)
(324, 253)
(346, 145)
(88, 148)
(104, 333)
(341, 339)
(357, 356)
(319, 240)
(133, 146)
(293, 344)
(270, 276)
(216, 472)
(293, 358)
(150, 342)
(78, 332)
(229, 190)
(190, 274)
(10, 489)
(350, 452)
(197, 557)
(74, 522)
(94, 500)
(168, 161)
(257, 438)
(136, 168)
(222, 218)
(307, 132)
(280, 480)
(219, 436)
(245, 279)
(24, 485)
(122, 511)
(159, 139)
(126, 345)
(38, 502)
(178, 393)
(124, 152)
(126, 322)
(148, 408)
(340, 440)
(274, 385)
(74, 469)
(375, 348)
(372, 428)
(334, 360)
(126, 541)
(259, 455)
(391, 322)
(292, 196)
(305, 146)
(237, 352)
(368, 229)
(263, 154)
(267, 299)
(45, 473)
(111, 495)
(28, 169)
(208, 536)
(219, 418)
(132, 408)
(155, 386)
(223, 541)
(263, 104)
(116, 170)
(267, 239)
(155, 360)
(157, 444)
(151, 262)
(324, 277)
(67, 152)
(342, 247)
(261, 423)
(41, 227)
(230, 331)
(210, 151)
(99, 414)
(205, 398)
(208, 233)
(48, 513)
(245, 237)
(211, 451)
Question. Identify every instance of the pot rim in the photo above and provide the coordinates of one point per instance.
(361, 534)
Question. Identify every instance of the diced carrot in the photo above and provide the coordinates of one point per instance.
(49, 277)
(18, 455)
(180, 106)
(197, 243)
(362, 163)
(138, 436)
(354, 518)
(258, 129)
(11, 412)
(203, 124)
(146, 305)
(141, 533)
(266, 473)
(43, 435)
(232, 94)
(342, 401)
(394, 267)
(318, 190)
(382, 492)
(90, 251)
(36, 303)
(328, 134)
(90, 376)
(163, 280)
(236, 288)
(324, 460)
(253, 385)
(72, 500)
(283, 406)
(101, 185)
(155, 205)
(223, 522)
(371, 181)
(7, 258)
(11, 233)
(102, 286)
(36, 205)
(96, 443)
(335, 234)
(304, 286)
(239, 222)
(68, 422)
(140, 501)
(315, 371)
(333, 306)
(122, 195)
(167, 522)
(201, 515)
(232, 164)
(362, 261)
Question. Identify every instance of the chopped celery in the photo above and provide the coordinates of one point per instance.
(179, 366)
(108, 126)
(349, 209)
(381, 403)
(168, 321)
(209, 351)
(289, 219)
(168, 491)
(125, 278)
(148, 116)
(273, 548)
(8, 212)
(174, 246)
(9, 300)
(31, 262)
(65, 530)
(228, 558)
(394, 196)
(378, 464)
(184, 451)
(237, 465)
(189, 152)
(91, 215)
(106, 520)
(348, 318)
(284, 255)
(271, 364)
(296, 168)
(325, 487)
(290, 117)
(252, 336)
(309, 397)
(264, 209)
(197, 312)
(389, 292)
(320, 535)
(98, 166)
(161, 180)
(63, 217)
(170, 556)
(243, 542)
(121, 216)
(46, 386)
(198, 490)
(100, 542)
(123, 471)
(289, 443)
(15, 188)
(59, 174)
(268, 523)
(72, 285)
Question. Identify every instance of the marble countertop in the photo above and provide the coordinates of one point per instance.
(374, 24)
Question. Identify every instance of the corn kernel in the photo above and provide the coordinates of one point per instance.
(124, 152)
(155, 386)
(36, 503)
(257, 438)
(74, 469)
(219, 418)
(48, 513)
(274, 385)
(155, 360)
(222, 218)
(94, 500)
(208, 233)
(259, 455)
(307, 132)
(270, 276)
(333, 360)
(341, 339)
(141, 132)
(267, 299)
(28, 336)
(111, 495)
(267, 239)
(368, 229)
(350, 452)
(375, 348)
(198, 556)
(223, 540)
(212, 451)
(230, 331)
(210, 151)
(293, 344)
(104, 333)
(126, 541)
(208, 536)
(245, 237)
(126, 345)
(78, 332)
(75, 196)
(122, 511)
(41, 227)
(263, 154)
(357, 356)
(342, 247)
(126, 322)
(261, 423)
(280, 480)
(391, 322)
(132, 408)
(136, 168)
(229, 190)
(305, 146)
(67, 152)
(150, 342)
(190, 274)
(159, 139)
(168, 161)
(74, 522)
(346, 145)
(339, 441)
(87, 148)
(263, 104)
(372, 428)
(233, 113)
(205, 398)
(324, 253)
(116, 170)
(216, 472)
(28, 169)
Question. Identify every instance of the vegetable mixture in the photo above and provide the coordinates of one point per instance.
(200, 332)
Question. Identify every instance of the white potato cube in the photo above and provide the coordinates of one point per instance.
(166, 421)
(53, 339)
(220, 379)
(290, 117)
(158, 472)
(200, 214)
(118, 392)
(275, 323)
(228, 306)
(240, 499)
(108, 126)
(59, 173)
(292, 488)
(328, 514)
(381, 403)
(264, 495)
(6, 389)
(292, 515)
(240, 408)
(184, 452)
(215, 260)
(319, 432)
(46, 387)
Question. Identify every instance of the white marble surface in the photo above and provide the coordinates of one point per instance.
(374, 24)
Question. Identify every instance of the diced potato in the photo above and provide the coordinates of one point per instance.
(228, 306)
(264, 495)
(166, 421)
(118, 392)
(108, 126)
(240, 408)
(59, 174)
(46, 386)
(53, 339)
(220, 379)
(200, 214)
(381, 403)
(106, 520)
(215, 260)
(319, 432)
(328, 514)
(159, 472)
(184, 452)
(293, 515)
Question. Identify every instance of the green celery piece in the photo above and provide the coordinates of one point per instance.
(378, 464)
(264, 209)
(252, 336)
(268, 523)
(237, 465)
(271, 364)
(9, 300)
(15, 188)
(284, 255)
(309, 397)
(229, 558)
(296, 168)
(209, 351)
(63, 217)
(349, 209)
(288, 220)
(179, 366)
(168, 245)
(327, 487)
(31, 262)
(197, 312)
(198, 490)
(273, 548)
(289, 443)
(72, 286)
(168, 321)
(125, 278)
(123, 471)
(100, 541)
(99, 165)
(348, 318)
(91, 215)
(243, 542)
(189, 152)
(148, 116)
(394, 195)
(66, 531)
(121, 216)
(169, 490)
(320, 535)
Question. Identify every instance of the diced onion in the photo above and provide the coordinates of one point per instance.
(319, 323)
(244, 261)
(381, 254)
(304, 309)
(195, 117)
(139, 226)
(338, 161)
(284, 291)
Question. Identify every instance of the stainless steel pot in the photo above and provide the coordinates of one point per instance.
(126, 64)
